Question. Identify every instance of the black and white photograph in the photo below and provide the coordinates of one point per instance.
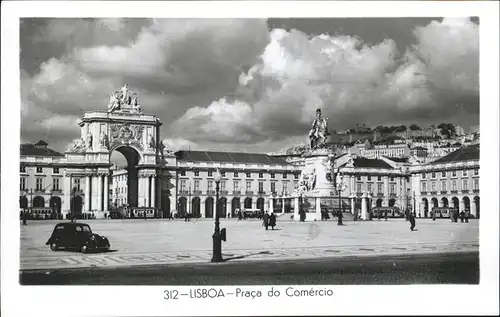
(231, 159)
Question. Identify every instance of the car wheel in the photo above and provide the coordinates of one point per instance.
(54, 247)
(85, 248)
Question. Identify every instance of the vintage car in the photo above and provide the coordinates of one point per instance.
(76, 235)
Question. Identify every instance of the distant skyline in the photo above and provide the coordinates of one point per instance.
(249, 84)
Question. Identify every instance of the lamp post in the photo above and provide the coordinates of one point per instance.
(217, 237)
(341, 186)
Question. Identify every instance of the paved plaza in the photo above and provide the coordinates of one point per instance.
(144, 242)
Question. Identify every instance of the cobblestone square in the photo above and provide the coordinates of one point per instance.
(161, 241)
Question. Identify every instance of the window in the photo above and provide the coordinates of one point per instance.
(39, 169)
(39, 183)
(424, 176)
(443, 174)
(464, 173)
(223, 185)
(296, 176)
(433, 175)
(358, 187)
(370, 187)
(235, 174)
(183, 173)
(223, 174)
(285, 175)
(196, 173)
(476, 172)
(77, 184)
(261, 175)
(433, 186)
(55, 170)
(465, 184)
(23, 169)
(197, 185)
(358, 177)
(392, 178)
(393, 189)
(249, 175)
(22, 184)
(55, 184)
(272, 175)
(454, 174)
(273, 187)
(261, 187)
(369, 178)
(285, 187)
(236, 186)
(476, 184)
(379, 188)
(210, 185)
(379, 178)
(249, 186)
(183, 184)
(443, 186)
(454, 185)
(210, 173)
(423, 186)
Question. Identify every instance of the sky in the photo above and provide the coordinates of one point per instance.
(249, 85)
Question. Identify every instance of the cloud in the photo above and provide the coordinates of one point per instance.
(178, 144)
(352, 81)
(230, 84)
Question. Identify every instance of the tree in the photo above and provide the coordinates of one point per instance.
(414, 127)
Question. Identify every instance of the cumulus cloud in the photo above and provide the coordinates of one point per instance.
(178, 144)
(227, 84)
(352, 81)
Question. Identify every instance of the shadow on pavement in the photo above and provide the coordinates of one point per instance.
(247, 255)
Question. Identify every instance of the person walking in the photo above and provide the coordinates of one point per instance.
(467, 216)
(433, 216)
(385, 215)
(355, 215)
(411, 217)
(272, 220)
(339, 216)
(265, 221)
(462, 216)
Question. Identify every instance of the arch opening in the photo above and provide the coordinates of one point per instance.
(127, 159)
(195, 207)
(235, 205)
(260, 204)
(209, 207)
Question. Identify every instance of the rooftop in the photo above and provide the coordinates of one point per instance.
(364, 162)
(229, 157)
(464, 154)
(38, 149)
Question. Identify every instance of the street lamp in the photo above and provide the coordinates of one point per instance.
(217, 236)
(341, 186)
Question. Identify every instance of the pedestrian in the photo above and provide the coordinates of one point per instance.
(467, 215)
(462, 216)
(186, 217)
(433, 216)
(412, 221)
(24, 218)
(385, 215)
(339, 216)
(379, 214)
(265, 221)
(455, 216)
(272, 220)
(355, 215)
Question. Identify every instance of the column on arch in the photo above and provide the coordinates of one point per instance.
(153, 192)
(67, 194)
(88, 197)
(99, 192)
(202, 207)
(106, 193)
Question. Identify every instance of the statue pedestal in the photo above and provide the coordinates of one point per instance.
(317, 163)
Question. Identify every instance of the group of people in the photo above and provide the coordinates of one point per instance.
(269, 220)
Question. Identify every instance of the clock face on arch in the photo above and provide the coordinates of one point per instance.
(329, 177)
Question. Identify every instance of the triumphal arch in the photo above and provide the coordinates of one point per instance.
(125, 128)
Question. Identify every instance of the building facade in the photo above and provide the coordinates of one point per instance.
(451, 181)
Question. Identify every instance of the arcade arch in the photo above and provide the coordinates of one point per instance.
(23, 202)
(38, 201)
(182, 208)
(222, 207)
(235, 204)
(444, 202)
(260, 204)
(379, 202)
(195, 207)
(209, 207)
(248, 203)
(392, 202)
(455, 202)
(425, 206)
